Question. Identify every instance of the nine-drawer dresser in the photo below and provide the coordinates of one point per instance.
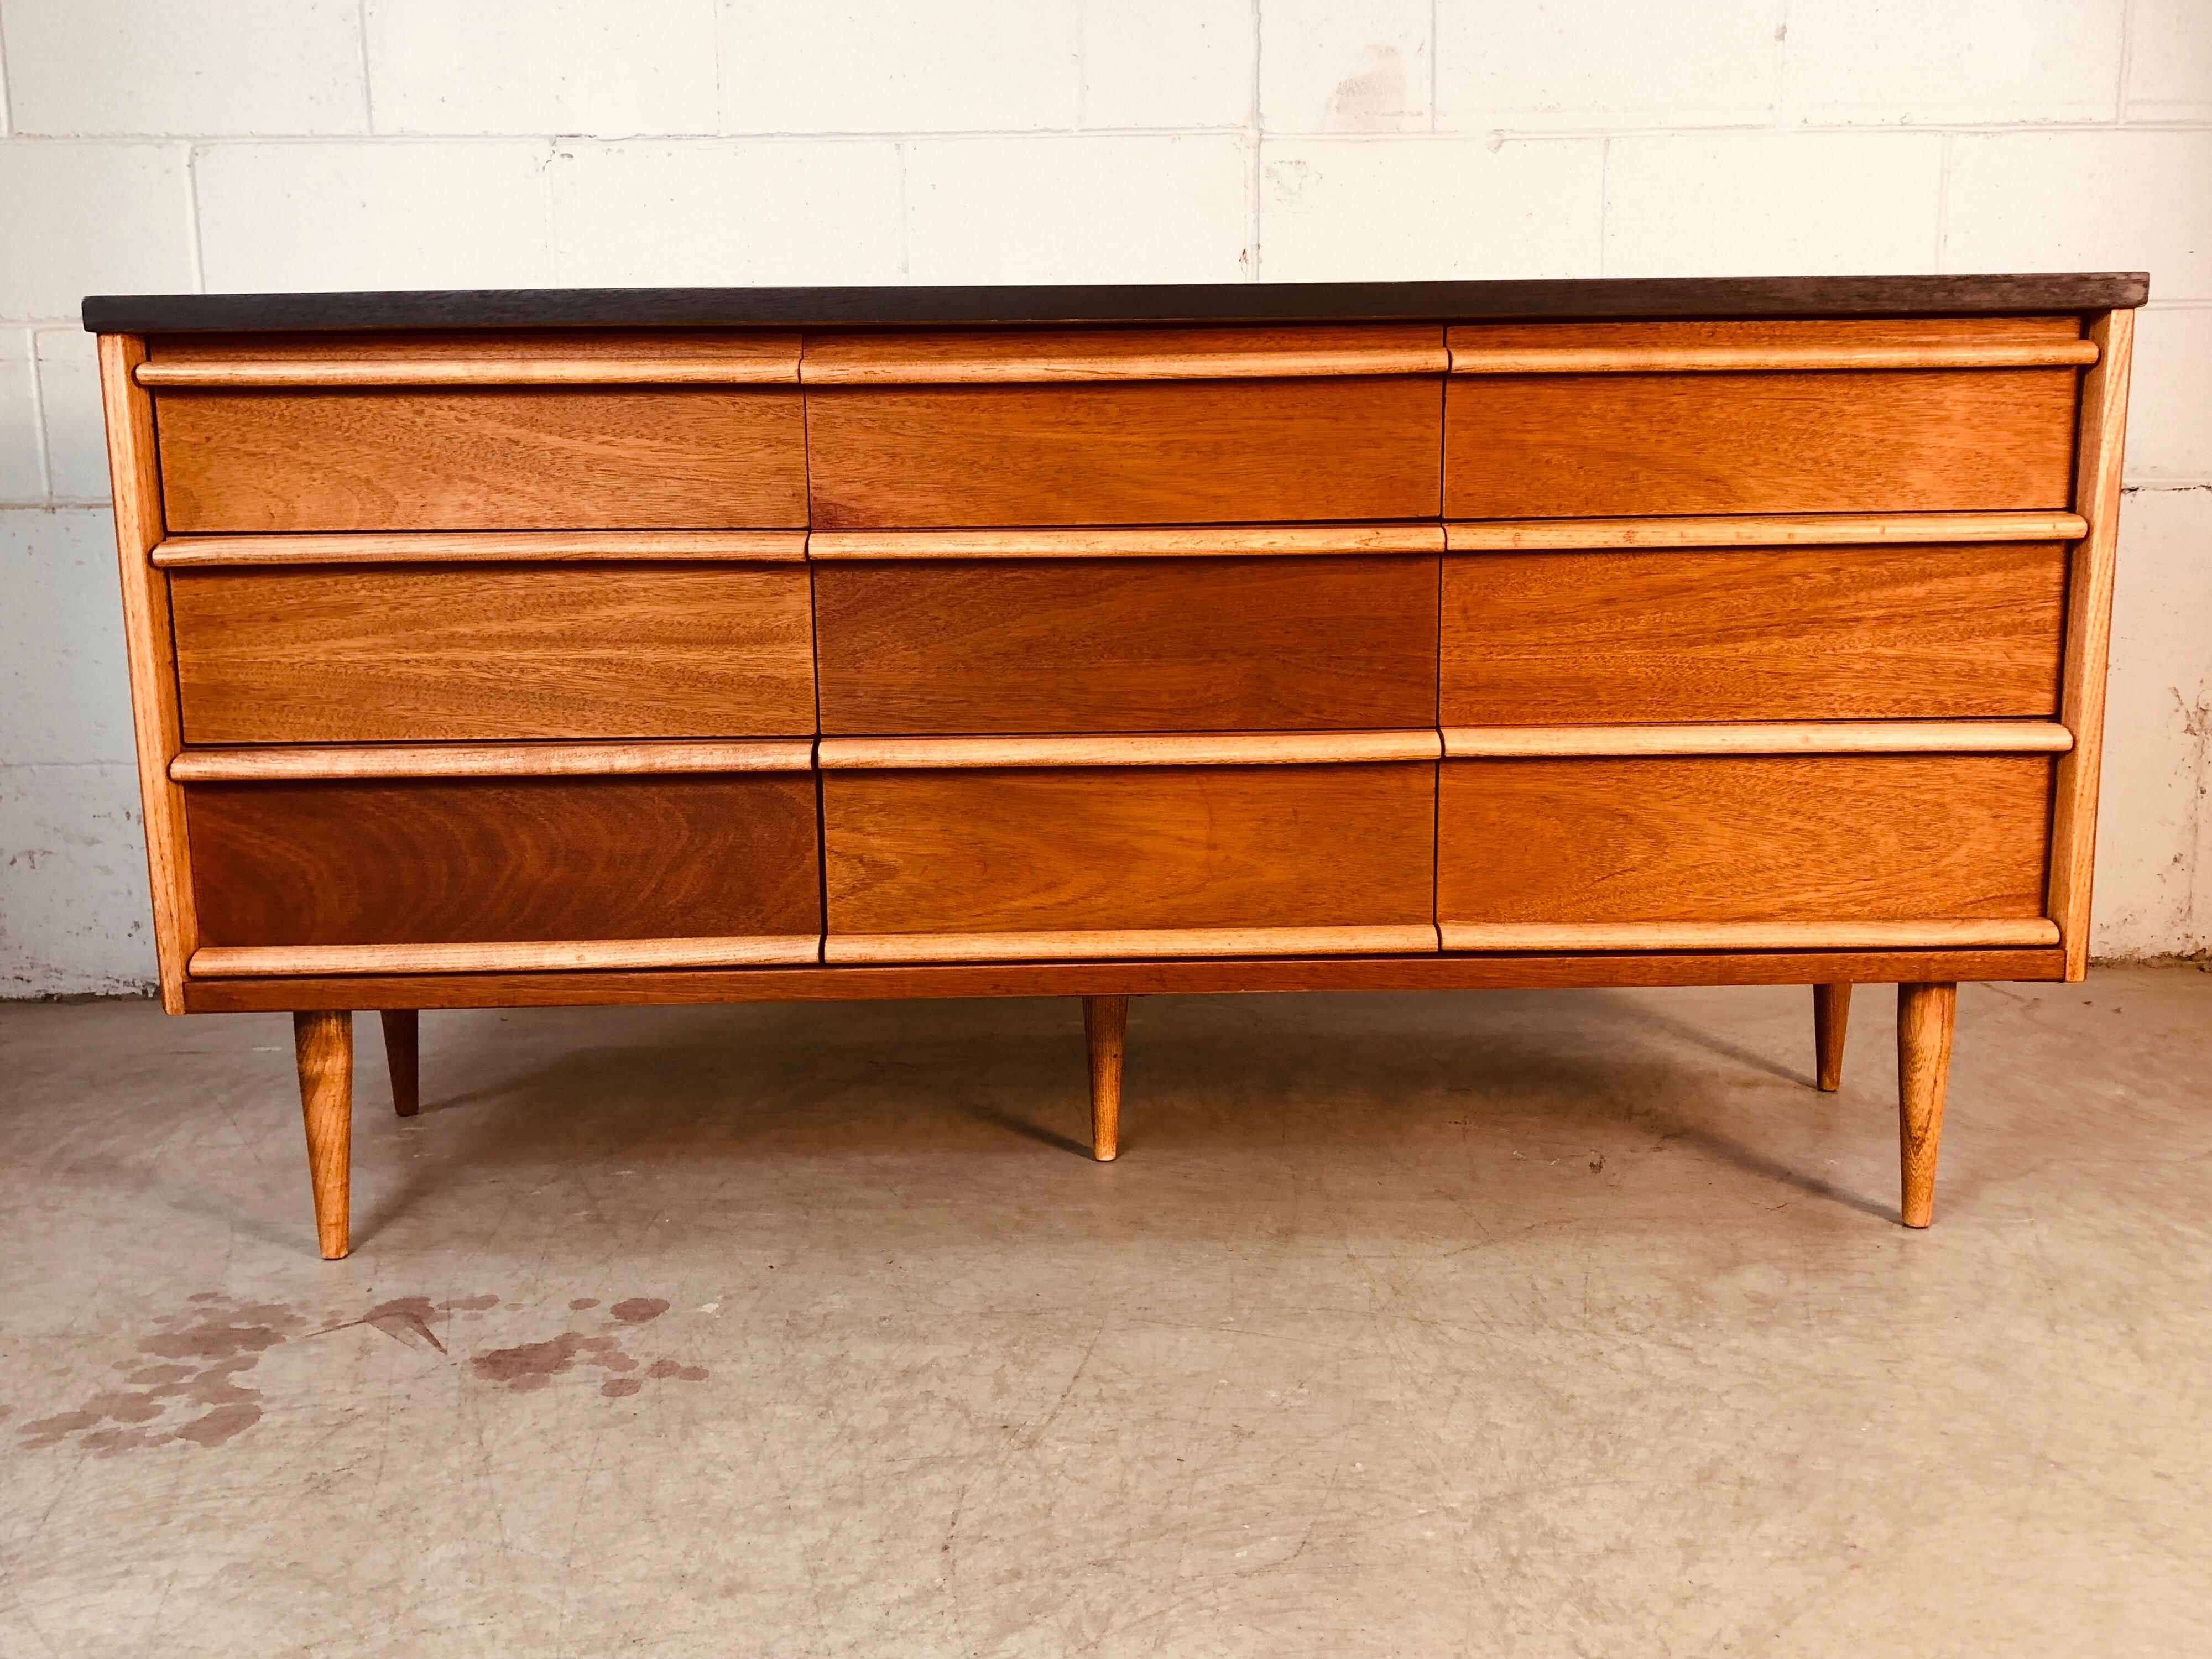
(580, 646)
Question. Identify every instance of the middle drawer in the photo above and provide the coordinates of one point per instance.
(1027, 640)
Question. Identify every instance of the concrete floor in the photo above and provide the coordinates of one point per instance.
(1500, 1323)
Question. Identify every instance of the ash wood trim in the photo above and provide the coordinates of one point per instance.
(2089, 633)
(1220, 748)
(135, 474)
(1079, 354)
(1128, 942)
(1760, 529)
(1764, 737)
(487, 547)
(1941, 932)
(1205, 541)
(1426, 971)
(1691, 359)
(489, 359)
(487, 759)
(541, 956)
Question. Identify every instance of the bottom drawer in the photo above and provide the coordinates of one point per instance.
(725, 863)
(1115, 860)
(1757, 849)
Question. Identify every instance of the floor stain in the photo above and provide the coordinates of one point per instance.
(529, 1366)
(406, 1319)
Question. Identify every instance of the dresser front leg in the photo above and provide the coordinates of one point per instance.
(324, 1044)
(1832, 1012)
(1106, 1029)
(1925, 1014)
(403, 1058)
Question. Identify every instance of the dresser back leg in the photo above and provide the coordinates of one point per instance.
(323, 1042)
(403, 1058)
(1106, 1028)
(1925, 1014)
(1832, 1012)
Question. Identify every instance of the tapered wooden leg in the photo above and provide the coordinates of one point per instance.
(324, 1044)
(1832, 1012)
(1925, 1014)
(403, 1058)
(1106, 1028)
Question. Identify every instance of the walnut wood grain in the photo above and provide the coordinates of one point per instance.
(1566, 446)
(1110, 849)
(552, 458)
(411, 653)
(1079, 943)
(917, 358)
(489, 760)
(475, 862)
(1952, 632)
(1173, 748)
(322, 1042)
(1763, 839)
(1124, 452)
(149, 649)
(1831, 1017)
(1925, 1016)
(1088, 645)
(1152, 542)
(487, 546)
(1106, 1034)
(1761, 530)
(1424, 971)
(1756, 737)
(2089, 632)
(521, 357)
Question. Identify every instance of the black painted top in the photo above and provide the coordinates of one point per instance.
(1177, 302)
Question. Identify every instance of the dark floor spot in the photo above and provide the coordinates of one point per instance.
(584, 1302)
(529, 1366)
(615, 1386)
(639, 1308)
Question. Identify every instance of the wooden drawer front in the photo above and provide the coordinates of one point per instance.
(1115, 848)
(1948, 632)
(1127, 645)
(446, 861)
(428, 653)
(1567, 445)
(1167, 451)
(504, 458)
(1742, 838)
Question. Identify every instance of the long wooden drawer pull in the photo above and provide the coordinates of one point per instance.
(1708, 358)
(516, 956)
(1225, 749)
(487, 759)
(1935, 933)
(1760, 529)
(1764, 737)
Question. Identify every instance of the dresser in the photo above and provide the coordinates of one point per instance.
(591, 646)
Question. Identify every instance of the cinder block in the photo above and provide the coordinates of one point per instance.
(2170, 67)
(91, 218)
(73, 883)
(1150, 210)
(1376, 209)
(1330, 68)
(190, 67)
(895, 66)
(1554, 65)
(1772, 203)
(1168, 64)
(2170, 404)
(23, 478)
(380, 214)
(723, 212)
(77, 431)
(63, 678)
(543, 66)
(2084, 201)
(1877, 62)
(2153, 893)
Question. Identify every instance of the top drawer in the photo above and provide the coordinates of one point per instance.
(1124, 426)
(1927, 415)
(475, 431)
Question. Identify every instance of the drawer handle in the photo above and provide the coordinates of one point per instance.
(1709, 359)
(518, 956)
(1222, 749)
(1745, 935)
(487, 759)
(1762, 738)
(1753, 530)
(1418, 937)
(487, 546)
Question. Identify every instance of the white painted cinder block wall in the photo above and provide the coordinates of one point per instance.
(160, 145)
